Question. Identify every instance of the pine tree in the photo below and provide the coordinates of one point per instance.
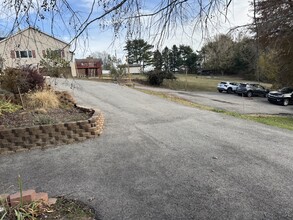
(157, 60)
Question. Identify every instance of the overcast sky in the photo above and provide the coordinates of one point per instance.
(239, 14)
(98, 40)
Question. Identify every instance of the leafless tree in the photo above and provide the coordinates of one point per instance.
(159, 19)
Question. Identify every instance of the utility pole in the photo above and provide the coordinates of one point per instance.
(128, 69)
(257, 41)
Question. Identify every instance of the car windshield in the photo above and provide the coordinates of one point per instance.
(286, 90)
(242, 85)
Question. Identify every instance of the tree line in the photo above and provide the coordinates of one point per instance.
(176, 59)
(221, 55)
(265, 54)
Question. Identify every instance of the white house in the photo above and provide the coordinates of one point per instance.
(29, 46)
(133, 69)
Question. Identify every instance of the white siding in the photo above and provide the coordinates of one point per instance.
(30, 40)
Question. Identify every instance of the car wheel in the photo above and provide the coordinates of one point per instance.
(286, 102)
(239, 94)
(229, 90)
(220, 91)
(249, 94)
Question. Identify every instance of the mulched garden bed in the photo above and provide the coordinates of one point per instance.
(27, 118)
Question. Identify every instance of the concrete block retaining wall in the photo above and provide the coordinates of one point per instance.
(36, 137)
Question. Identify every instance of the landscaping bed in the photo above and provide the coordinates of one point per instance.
(63, 209)
(48, 118)
(28, 118)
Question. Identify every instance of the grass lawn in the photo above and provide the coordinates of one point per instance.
(285, 122)
(198, 83)
(201, 83)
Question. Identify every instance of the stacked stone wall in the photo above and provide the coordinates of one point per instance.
(43, 136)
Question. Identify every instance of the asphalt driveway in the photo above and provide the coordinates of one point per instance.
(161, 160)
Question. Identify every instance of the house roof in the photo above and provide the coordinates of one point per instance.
(89, 60)
(134, 65)
(2, 39)
(88, 63)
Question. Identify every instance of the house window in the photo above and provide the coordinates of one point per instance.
(24, 54)
(53, 53)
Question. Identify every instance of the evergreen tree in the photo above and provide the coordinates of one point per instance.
(166, 59)
(191, 63)
(188, 58)
(175, 59)
(157, 60)
(139, 52)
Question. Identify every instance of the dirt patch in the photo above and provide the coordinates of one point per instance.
(69, 209)
(62, 209)
(27, 118)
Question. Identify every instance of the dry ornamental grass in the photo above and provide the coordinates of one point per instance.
(46, 99)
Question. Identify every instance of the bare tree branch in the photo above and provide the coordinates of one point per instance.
(160, 21)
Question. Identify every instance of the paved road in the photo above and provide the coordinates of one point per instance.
(230, 102)
(160, 160)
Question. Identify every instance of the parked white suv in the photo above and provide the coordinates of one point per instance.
(228, 87)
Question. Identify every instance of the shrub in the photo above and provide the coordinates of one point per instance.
(156, 78)
(118, 73)
(43, 120)
(8, 107)
(45, 99)
(33, 78)
(26, 79)
(56, 72)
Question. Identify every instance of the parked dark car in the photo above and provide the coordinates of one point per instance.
(283, 96)
(249, 90)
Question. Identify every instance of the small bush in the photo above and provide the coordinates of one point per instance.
(33, 79)
(118, 73)
(8, 107)
(45, 99)
(26, 79)
(56, 72)
(43, 120)
(156, 78)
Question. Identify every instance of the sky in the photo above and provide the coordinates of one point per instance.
(99, 40)
(239, 14)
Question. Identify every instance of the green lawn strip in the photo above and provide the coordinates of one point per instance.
(201, 83)
(285, 122)
(193, 82)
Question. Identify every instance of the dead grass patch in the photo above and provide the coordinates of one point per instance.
(45, 99)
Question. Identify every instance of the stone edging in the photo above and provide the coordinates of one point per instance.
(38, 137)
